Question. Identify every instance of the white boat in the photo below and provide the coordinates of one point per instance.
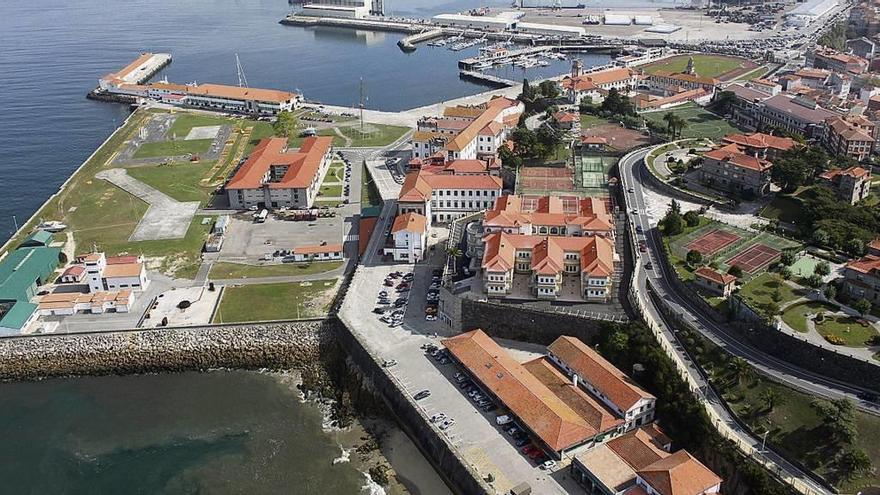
(543, 63)
(51, 226)
(483, 65)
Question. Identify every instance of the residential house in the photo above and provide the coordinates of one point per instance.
(852, 184)
(113, 273)
(324, 252)
(566, 120)
(595, 85)
(861, 278)
(275, 177)
(409, 235)
(467, 132)
(721, 284)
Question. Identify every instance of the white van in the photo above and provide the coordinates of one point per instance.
(503, 420)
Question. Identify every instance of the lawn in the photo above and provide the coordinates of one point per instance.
(704, 65)
(180, 180)
(846, 330)
(782, 208)
(701, 123)
(588, 120)
(795, 316)
(370, 196)
(179, 147)
(330, 191)
(223, 271)
(759, 290)
(561, 154)
(376, 135)
(285, 301)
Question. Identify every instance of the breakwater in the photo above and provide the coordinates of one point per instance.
(289, 345)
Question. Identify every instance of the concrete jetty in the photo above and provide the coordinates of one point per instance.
(408, 44)
(494, 81)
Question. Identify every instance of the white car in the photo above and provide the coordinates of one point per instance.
(548, 465)
(431, 318)
(503, 420)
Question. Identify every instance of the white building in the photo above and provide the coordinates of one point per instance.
(327, 252)
(443, 197)
(409, 237)
(115, 273)
(467, 132)
(485, 22)
(809, 12)
(70, 303)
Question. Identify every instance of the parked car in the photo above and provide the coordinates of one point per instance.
(430, 318)
(421, 395)
(548, 464)
(438, 418)
(389, 363)
(447, 424)
(503, 420)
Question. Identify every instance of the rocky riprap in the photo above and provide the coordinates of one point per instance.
(298, 345)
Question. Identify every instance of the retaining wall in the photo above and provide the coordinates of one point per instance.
(507, 321)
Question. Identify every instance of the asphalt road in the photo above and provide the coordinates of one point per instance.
(814, 384)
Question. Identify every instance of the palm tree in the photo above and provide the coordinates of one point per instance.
(454, 251)
(669, 118)
(770, 398)
(742, 370)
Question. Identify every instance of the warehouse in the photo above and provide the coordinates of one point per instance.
(549, 29)
(617, 20)
(475, 22)
(809, 12)
(21, 273)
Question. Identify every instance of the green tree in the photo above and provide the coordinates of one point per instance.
(723, 101)
(813, 281)
(528, 92)
(691, 218)
(742, 370)
(785, 273)
(617, 104)
(672, 223)
(549, 89)
(770, 398)
(830, 292)
(508, 158)
(285, 124)
(674, 124)
(863, 306)
(823, 269)
(854, 246)
(776, 295)
(736, 271)
(820, 237)
(787, 258)
(838, 419)
(694, 257)
(796, 167)
(854, 463)
(525, 142)
(834, 37)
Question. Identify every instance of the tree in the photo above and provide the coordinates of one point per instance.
(863, 306)
(772, 308)
(830, 292)
(776, 295)
(694, 257)
(820, 237)
(672, 223)
(854, 463)
(454, 251)
(723, 101)
(508, 158)
(617, 104)
(285, 124)
(742, 370)
(525, 142)
(735, 270)
(787, 258)
(834, 37)
(549, 89)
(548, 138)
(854, 246)
(691, 218)
(528, 92)
(674, 124)
(795, 167)
(823, 269)
(770, 398)
(813, 281)
(838, 418)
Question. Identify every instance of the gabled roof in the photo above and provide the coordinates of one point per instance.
(593, 368)
(466, 136)
(847, 130)
(869, 264)
(302, 165)
(734, 155)
(410, 222)
(854, 172)
(679, 474)
(714, 276)
(414, 188)
(641, 447)
(466, 166)
(596, 254)
(761, 141)
(565, 117)
(236, 92)
(544, 413)
(325, 249)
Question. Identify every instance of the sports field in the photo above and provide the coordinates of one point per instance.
(706, 65)
(725, 245)
(545, 180)
(701, 123)
(591, 173)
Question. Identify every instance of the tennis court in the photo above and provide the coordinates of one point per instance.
(591, 173)
(545, 180)
(712, 242)
(754, 258)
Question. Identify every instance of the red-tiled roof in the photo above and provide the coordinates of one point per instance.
(410, 222)
(466, 166)
(761, 141)
(545, 414)
(590, 366)
(734, 155)
(325, 249)
(548, 253)
(867, 264)
(679, 474)
(641, 447)
(855, 172)
(302, 165)
(239, 93)
(715, 276)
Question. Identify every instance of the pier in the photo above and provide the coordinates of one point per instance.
(488, 79)
(469, 63)
(408, 44)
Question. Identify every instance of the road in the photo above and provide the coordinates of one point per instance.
(631, 170)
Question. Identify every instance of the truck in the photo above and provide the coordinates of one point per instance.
(261, 216)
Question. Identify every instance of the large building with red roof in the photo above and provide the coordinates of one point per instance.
(733, 168)
(861, 277)
(852, 184)
(274, 176)
(442, 194)
(467, 132)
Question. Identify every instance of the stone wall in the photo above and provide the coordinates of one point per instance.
(508, 321)
(293, 345)
(456, 472)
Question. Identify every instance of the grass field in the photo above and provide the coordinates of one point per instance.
(381, 135)
(704, 65)
(833, 326)
(330, 191)
(795, 316)
(180, 180)
(223, 271)
(588, 121)
(758, 292)
(701, 123)
(285, 301)
(173, 148)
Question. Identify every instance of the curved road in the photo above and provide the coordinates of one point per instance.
(631, 176)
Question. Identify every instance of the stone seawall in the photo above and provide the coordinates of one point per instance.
(294, 345)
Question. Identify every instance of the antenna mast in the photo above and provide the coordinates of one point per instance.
(242, 80)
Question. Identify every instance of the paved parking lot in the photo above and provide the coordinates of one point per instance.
(247, 240)
(474, 434)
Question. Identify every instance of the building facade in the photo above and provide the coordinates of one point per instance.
(851, 184)
(409, 237)
(730, 169)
